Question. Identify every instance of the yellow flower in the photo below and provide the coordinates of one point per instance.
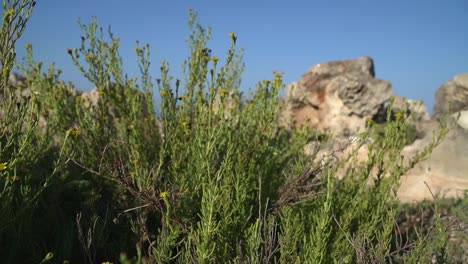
(107, 262)
(399, 114)
(369, 122)
(89, 57)
(135, 162)
(100, 93)
(278, 75)
(3, 166)
(185, 123)
(163, 93)
(215, 59)
(183, 97)
(163, 194)
(74, 132)
(233, 36)
(10, 12)
(266, 82)
(223, 91)
(137, 50)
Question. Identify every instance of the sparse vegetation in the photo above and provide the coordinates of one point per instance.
(218, 182)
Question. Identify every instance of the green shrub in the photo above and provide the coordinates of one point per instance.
(217, 182)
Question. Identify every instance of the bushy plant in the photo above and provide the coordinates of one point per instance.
(207, 176)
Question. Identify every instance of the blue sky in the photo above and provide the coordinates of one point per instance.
(417, 45)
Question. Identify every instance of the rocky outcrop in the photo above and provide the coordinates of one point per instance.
(444, 172)
(340, 96)
(452, 96)
(336, 97)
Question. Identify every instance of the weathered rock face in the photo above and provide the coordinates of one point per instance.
(452, 96)
(340, 96)
(336, 97)
(444, 172)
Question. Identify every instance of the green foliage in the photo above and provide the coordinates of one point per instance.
(208, 177)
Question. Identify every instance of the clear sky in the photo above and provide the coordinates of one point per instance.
(416, 44)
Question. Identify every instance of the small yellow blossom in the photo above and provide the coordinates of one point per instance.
(100, 93)
(107, 262)
(183, 97)
(3, 166)
(223, 91)
(135, 162)
(215, 59)
(89, 57)
(369, 122)
(10, 12)
(163, 93)
(266, 82)
(278, 75)
(163, 194)
(185, 123)
(74, 132)
(232, 35)
(137, 50)
(399, 114)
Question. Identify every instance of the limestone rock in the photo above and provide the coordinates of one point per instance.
(444, 172)
(337, 97)
(452, 96)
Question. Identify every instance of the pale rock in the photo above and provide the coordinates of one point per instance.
(444, 171)
(336, 97)
(452, 96)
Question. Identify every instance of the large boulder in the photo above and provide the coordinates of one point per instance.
(444, 172)
(336, 97)
(452, 96)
